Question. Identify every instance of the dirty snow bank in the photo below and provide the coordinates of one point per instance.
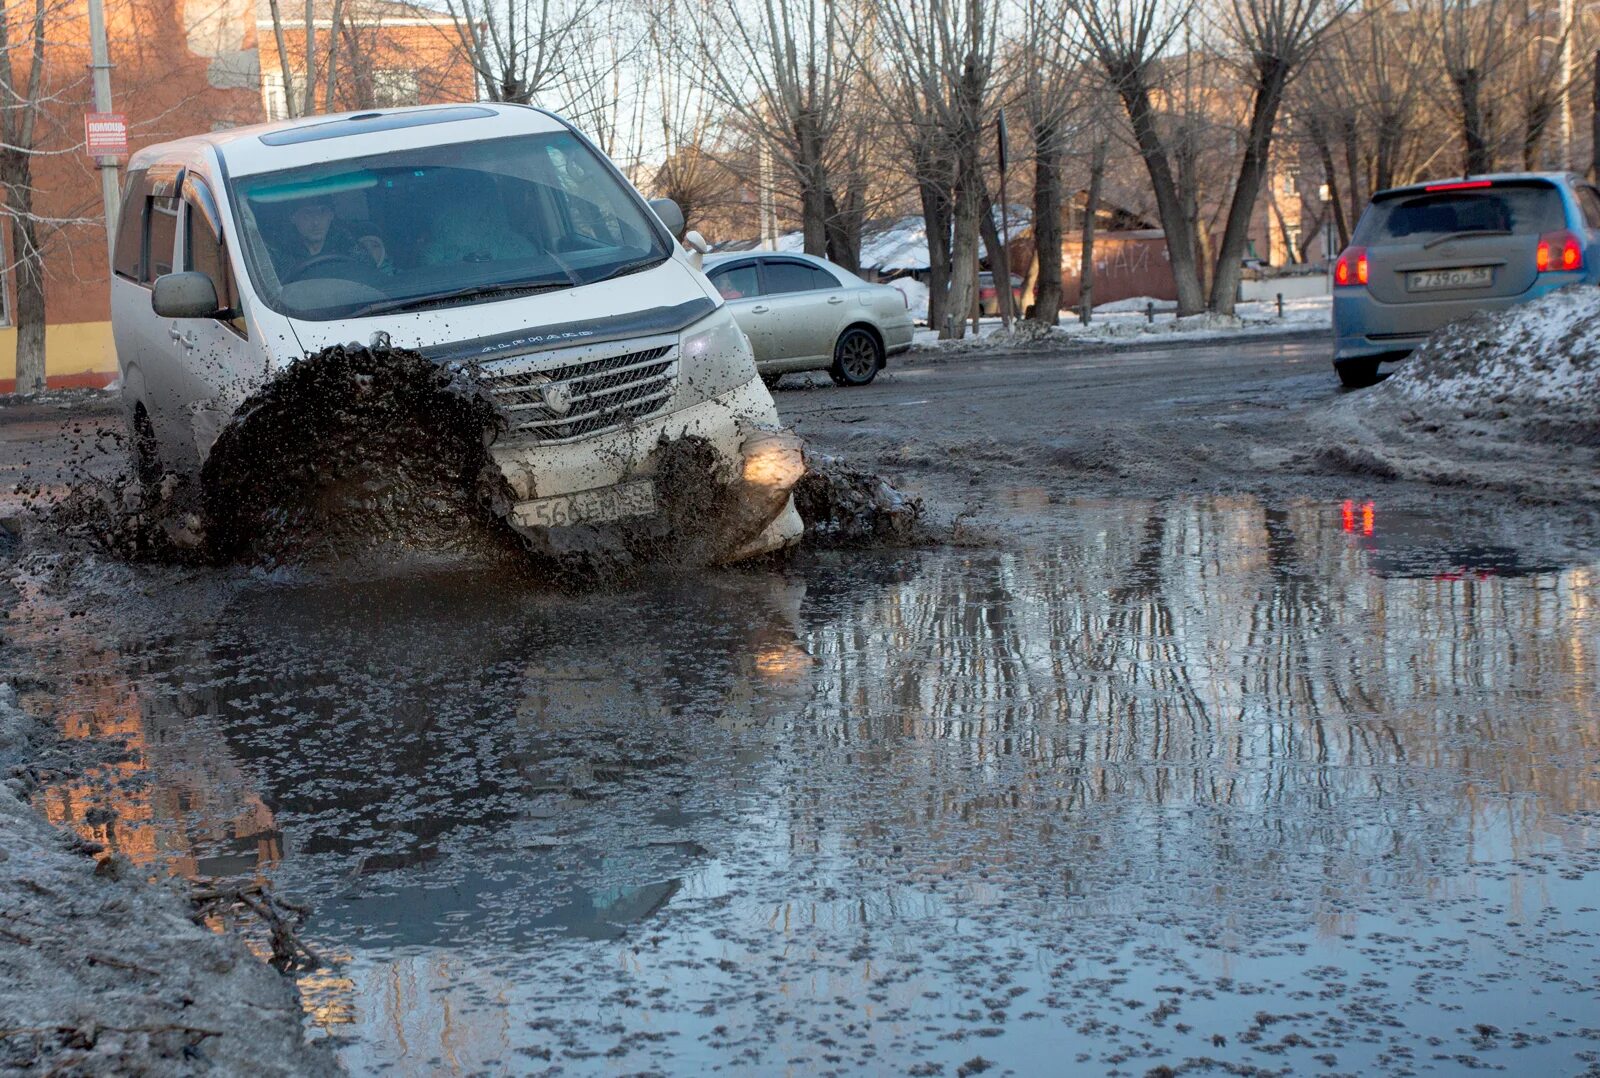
(102, 973)
(1117, 324)
(1501, 400)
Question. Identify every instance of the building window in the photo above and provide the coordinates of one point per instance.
(274, 99)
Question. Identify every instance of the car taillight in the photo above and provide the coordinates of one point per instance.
(1558, 252)
(1351, 269)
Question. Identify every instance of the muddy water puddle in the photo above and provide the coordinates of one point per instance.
(1309, 787)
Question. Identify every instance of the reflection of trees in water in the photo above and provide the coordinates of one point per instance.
(1221, 656)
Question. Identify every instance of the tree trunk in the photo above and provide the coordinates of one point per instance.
(333, 56)
(813, 177)
(289, 102)
(1330, 175)
(1135, 96)
(1091, 209)
(845, 223)
(1273, 77)
(969, 199)
(310, 61)
(1474, 134)
(999, 256)
(30, 316)
(936, 224)
(1047, 225)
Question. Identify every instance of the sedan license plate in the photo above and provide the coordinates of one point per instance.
(635, 499)
(1437, 280)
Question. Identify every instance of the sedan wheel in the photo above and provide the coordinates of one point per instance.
(856, 358)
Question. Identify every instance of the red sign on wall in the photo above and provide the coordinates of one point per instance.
(105, 134)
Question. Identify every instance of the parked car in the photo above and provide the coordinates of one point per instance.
(804, 313)
(989, 295)
(488, 234)
(1428, 254)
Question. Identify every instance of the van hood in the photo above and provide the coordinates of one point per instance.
(665, 299)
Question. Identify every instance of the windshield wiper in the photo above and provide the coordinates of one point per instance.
(444, 299)
(629, 267)
(1467, 234)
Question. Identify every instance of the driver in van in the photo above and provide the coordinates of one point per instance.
(313, 234)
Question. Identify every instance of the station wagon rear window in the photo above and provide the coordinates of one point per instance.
(1503, 208)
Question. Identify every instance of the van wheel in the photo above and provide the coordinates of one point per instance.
(142, 439)
(1357, 373)
(856, 358)
(771, 380)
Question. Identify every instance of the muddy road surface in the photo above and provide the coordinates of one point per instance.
(1182, 743)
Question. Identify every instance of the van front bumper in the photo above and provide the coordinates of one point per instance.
(756, 457)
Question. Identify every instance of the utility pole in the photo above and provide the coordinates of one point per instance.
(1002, 289)
(100, 64)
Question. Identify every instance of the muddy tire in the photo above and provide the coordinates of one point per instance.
(145, 455)
(1357, 373)
(771, 380)
(856, 358)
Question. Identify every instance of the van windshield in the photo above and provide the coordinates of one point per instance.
(438, 226)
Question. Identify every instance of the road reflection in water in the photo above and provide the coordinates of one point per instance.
(1306, 785)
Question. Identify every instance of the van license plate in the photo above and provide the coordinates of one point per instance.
(635, 499)
(1435, 280)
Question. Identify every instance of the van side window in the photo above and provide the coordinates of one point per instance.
(161, 232)
(204, 249)
(130, 226)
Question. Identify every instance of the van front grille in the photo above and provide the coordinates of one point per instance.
(572, 400)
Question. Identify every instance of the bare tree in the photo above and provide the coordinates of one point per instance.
(1054, 90)
(945, 50)
(19, 116)
(783, 71)
(1473, 44)
(1129, 39)
(1275, 38)
(521, 49)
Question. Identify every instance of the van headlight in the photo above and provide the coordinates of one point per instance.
(714, 355)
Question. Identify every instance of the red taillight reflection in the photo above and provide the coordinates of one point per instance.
(1348, 521)
(1351, 269)
(1558, 252)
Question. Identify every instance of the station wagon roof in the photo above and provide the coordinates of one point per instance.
(315, 139)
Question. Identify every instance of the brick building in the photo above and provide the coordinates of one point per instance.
(181, 66)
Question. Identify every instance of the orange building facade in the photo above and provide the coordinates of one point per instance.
(181, 67)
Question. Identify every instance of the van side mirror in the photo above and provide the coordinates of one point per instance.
(697, 247)
(671, 215)
(184, 295)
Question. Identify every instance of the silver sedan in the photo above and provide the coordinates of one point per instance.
(803, 314)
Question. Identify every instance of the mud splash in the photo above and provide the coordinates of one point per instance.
(379, 455)
(352, 450)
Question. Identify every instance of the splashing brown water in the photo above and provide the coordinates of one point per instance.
(380, 454)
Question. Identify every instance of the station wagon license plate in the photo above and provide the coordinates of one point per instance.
(634, 499)
(1437, 280)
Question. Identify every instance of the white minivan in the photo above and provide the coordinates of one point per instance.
(487, 235)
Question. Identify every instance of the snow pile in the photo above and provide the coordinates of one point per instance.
(1134, 303)
(1502, 401)
(1537, 365)
(916, 294)
(101, 973)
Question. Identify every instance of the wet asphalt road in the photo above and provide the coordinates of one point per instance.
(1181, 755)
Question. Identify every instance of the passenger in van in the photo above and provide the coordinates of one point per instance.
(314, 234)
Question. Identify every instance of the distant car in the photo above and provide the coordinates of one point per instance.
(1429, 254)
(989, 295)
(804, 313)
